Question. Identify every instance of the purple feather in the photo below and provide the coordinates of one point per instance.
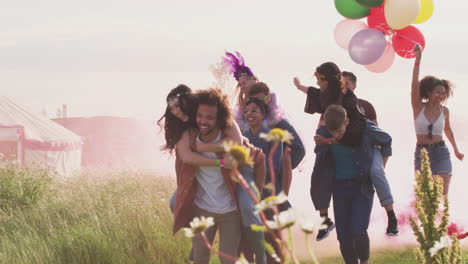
(236, 65)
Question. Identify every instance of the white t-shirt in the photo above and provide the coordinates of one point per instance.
(213, 194)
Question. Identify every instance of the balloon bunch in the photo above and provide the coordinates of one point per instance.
(388, 30)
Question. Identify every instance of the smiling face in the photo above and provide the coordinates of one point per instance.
(174, 107)
(253, 115)
(207, 120)
(438, 94)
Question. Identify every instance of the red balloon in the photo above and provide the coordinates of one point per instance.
(404, 40)
(376, 19)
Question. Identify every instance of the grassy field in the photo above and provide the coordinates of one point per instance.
(99, 217)
(386, 257)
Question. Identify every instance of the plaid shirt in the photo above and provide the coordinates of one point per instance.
(187, 187)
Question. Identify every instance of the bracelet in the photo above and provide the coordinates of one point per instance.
(218, 162)
(221, 163)
(416, 64)
(328, 140)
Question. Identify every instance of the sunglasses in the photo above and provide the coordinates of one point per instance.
(430, 127)
(320, 76)
(265, 98)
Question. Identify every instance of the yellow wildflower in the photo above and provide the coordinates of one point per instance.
(279, 135)
(239, 153)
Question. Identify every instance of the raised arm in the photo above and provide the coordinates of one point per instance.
(231, 133)
(299, 86)
(449, 134)
(416, 100)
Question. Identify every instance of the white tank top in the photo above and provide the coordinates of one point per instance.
(213, 194)
(421, 124)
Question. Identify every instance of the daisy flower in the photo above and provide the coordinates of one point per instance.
(271, 201)
(239, 153)
(444, 241)
(311, 225)
(198, 225)
(278, 134)
(285, 219)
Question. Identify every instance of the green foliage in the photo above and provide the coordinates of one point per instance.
(22, 186)
(432, 227)
(96, 217)
(384, 256)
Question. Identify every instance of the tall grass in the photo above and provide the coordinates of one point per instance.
(96, 217)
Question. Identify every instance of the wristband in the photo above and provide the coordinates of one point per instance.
(218, 163)
(416, 64)
(221, 163)
(328, 140)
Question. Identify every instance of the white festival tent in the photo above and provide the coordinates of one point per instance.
(31, 138)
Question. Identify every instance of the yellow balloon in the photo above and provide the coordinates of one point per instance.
(425, 12)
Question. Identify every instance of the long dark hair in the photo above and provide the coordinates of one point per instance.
(330, 72)
(173, 126)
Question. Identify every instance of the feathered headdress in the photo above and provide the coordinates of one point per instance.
(236, 66)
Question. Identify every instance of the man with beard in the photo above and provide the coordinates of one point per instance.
(210, 191)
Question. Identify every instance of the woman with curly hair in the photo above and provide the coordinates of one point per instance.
(431, 120)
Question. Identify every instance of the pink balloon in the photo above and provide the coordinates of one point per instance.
(345, 30)
(384, 62)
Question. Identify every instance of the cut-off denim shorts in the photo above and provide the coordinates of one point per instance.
(439, 157)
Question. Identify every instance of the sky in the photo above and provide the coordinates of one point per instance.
(121, 58)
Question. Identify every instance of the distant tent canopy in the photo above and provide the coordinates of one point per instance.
(32, 138)
(116, 142)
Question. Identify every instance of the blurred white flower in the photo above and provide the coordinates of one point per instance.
(285, 219)
(278, 134)
(241, 260)
(271, 201)
(198, 225)
(311, 225)
(444, 241)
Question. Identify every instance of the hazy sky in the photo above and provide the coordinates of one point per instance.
(116, 57)
(122, 57)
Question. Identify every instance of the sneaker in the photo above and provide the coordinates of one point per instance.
(392, 227)
(323, 233)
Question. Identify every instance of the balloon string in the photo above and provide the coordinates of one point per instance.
(402, 36)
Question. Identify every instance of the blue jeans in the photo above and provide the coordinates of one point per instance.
(439, 157)
(377, 174)
(172, 201)
(352, 214)
(246, 204)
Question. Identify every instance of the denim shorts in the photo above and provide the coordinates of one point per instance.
(439, 157)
